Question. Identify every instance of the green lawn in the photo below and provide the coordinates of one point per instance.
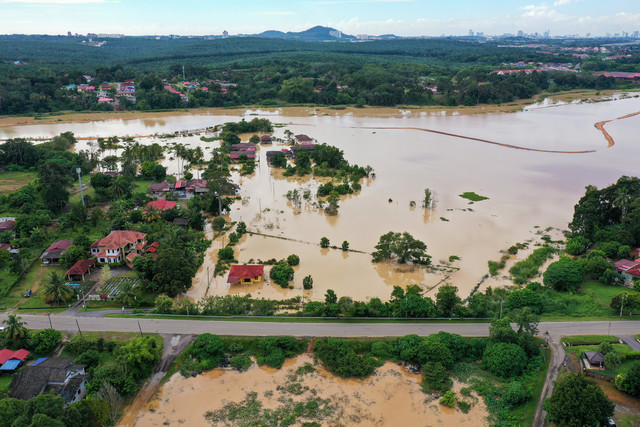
(602, 293)
(12, 181)
(142, 186)
(589, 339)
(578, 349)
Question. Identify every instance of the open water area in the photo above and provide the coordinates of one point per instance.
(532, 165)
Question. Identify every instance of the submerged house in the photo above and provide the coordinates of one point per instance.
(117, 245)
(245, 274)
(56, 375)
(266, 139)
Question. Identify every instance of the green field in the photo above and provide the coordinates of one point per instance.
(11, 181)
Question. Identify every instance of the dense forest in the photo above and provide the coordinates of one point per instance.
(273, 72)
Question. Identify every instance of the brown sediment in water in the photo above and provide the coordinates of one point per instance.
(390, 397)
(608, 137)
(486, 141)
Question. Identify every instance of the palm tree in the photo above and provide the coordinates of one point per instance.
(622, 199)
(55, 291)
(128, 294)
(15, 329)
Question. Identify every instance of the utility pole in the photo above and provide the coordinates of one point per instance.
(79, 172)
(50, 324)
(183, 77)
(79, 327)
(139, 328)
(501, 301)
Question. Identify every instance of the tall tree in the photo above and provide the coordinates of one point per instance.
(55, 291)
(578, 401)
(15, 329)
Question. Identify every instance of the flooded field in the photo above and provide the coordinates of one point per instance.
(391, 397)
(489, 154)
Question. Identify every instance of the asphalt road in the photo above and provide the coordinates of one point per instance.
(179, 326)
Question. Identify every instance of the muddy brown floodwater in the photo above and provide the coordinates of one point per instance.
(391, 397)
(528, 191)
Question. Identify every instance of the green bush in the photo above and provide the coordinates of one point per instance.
(504, 359)
(282, 274)
(340, 358)
(241, 362)
(564, 275)
(90, 358)
(435, 377)
(293, 260)
(449, 399)
(45, 341)
(464, 406)
(208, 347)
(515, 394)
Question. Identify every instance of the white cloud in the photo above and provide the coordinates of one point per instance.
(274, 13)
(335, 2)
(565, 2)
(60, 1)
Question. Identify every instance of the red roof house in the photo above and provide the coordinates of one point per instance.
(163, 205)
(245, 274)
(81, 267)
(55, 250)
(7, 354)
(117, 245)
(7, 225)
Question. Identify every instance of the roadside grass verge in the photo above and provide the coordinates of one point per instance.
(589, 339)
(622, 349)
(535, 383)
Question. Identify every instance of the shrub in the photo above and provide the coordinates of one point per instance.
(218, 223)
(435, 377)
(515, 394)
(449, 399)
(45, 341)
(293, 260)
(90, 358)
(565, 275)
(226, 254)
(208, 347)
(324, 243)
(340, 358)
(307, 282)
(504, 359)
(282, 274)
(241, 362)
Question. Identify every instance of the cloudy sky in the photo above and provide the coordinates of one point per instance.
(402, 17)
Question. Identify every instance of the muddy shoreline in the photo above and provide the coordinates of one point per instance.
(381, 112)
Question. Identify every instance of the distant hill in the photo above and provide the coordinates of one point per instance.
(315, 34)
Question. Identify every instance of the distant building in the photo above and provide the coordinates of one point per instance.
(225, 34)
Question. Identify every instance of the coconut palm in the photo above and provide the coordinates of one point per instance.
(128, 294)
(622, 199)
(15, 329)
(55, 291)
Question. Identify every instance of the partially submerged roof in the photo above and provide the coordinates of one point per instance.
(239, 272)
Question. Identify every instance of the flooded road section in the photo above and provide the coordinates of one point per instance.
(528, 191)
(391, 397)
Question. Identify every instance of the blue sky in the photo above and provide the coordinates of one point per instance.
(402, 17)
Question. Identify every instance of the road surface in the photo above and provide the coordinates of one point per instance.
(68, 323)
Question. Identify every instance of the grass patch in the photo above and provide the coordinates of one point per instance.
(589, 339)
(528, 268)
(473, 197)
(77, 198)
(622, 349)
(5, 380)
(12, 181)
(601, 292)
(142, 186)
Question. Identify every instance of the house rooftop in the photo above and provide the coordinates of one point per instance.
(118, 239)
(56, 249)
(82, 266)
(239, 272)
